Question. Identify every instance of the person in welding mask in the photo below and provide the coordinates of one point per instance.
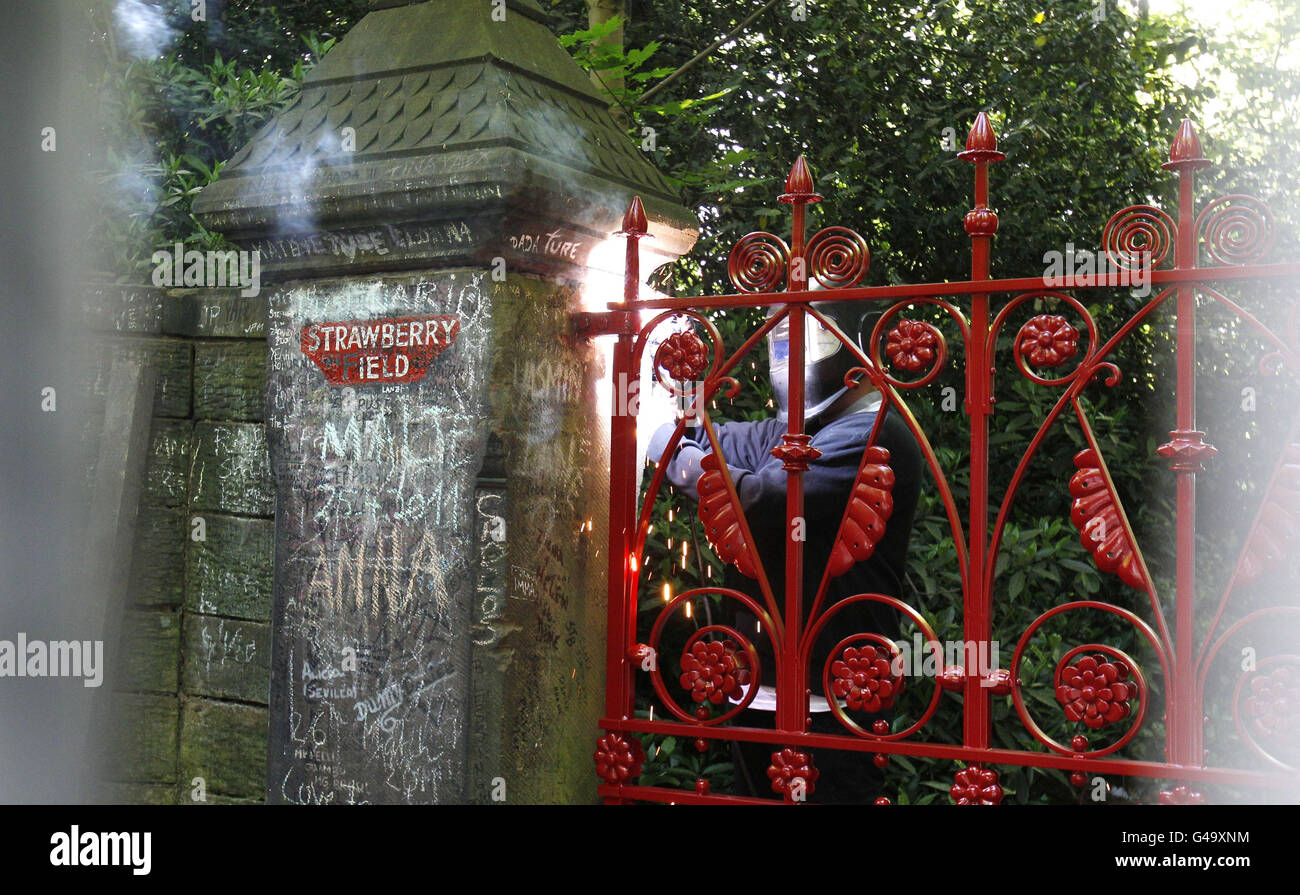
(840, 421)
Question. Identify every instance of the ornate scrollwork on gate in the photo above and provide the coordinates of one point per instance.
(1093, 698)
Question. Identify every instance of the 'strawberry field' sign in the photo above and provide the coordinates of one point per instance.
(378, 352)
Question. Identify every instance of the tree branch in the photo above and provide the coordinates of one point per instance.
(717, 43)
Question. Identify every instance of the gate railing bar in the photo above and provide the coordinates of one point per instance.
(961, 287)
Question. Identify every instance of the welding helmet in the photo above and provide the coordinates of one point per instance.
(825, 358)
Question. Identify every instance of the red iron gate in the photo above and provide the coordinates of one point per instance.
(1094, 684)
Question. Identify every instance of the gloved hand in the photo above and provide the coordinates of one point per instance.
(684, 466)
(691, 435)
(684, 470)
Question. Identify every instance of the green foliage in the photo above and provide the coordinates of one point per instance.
(612, 63)
(168, 123)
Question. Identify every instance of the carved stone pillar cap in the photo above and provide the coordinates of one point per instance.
(436, 133)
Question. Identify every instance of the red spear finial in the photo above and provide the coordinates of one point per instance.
(634, 222)
(800, 179)
(981, 134)
(1186, 144)
(981, 142)
(1185, 151)
(799, 185)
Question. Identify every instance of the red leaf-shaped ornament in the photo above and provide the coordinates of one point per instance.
(1095, 512)
(870, 507)
(721, 518)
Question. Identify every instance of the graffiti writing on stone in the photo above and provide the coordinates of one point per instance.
(401, 555)
(374, 243)
(556, 244)
(368, 702)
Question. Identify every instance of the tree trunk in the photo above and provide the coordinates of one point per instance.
(598, 13)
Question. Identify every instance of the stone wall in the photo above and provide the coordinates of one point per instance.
(193, 661)
(191, 669)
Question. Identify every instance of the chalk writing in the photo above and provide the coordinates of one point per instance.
(392, 544)
(375, 243)
(385, 700)
(225, 645)
(552, 244)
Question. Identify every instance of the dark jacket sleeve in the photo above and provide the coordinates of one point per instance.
(826, 483)
(745, 447)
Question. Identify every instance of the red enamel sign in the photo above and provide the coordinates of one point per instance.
(378, 352)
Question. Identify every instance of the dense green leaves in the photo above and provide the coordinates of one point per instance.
(170, 117)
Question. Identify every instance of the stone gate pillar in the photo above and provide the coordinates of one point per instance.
(428, 208)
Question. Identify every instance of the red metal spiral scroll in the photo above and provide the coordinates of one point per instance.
(837, 257)
(1137, 233)
(1236, 229)
(758, 262)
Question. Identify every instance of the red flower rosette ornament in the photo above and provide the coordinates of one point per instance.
(1273, 706)
(714, 671)
(1096, 691)
(792, 774)
(864, 678)
(912, 345)
(1048, 340)
(682, 356)
(619, 758)
(976, 785)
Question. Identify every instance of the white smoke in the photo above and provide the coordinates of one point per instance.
(142, 28)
